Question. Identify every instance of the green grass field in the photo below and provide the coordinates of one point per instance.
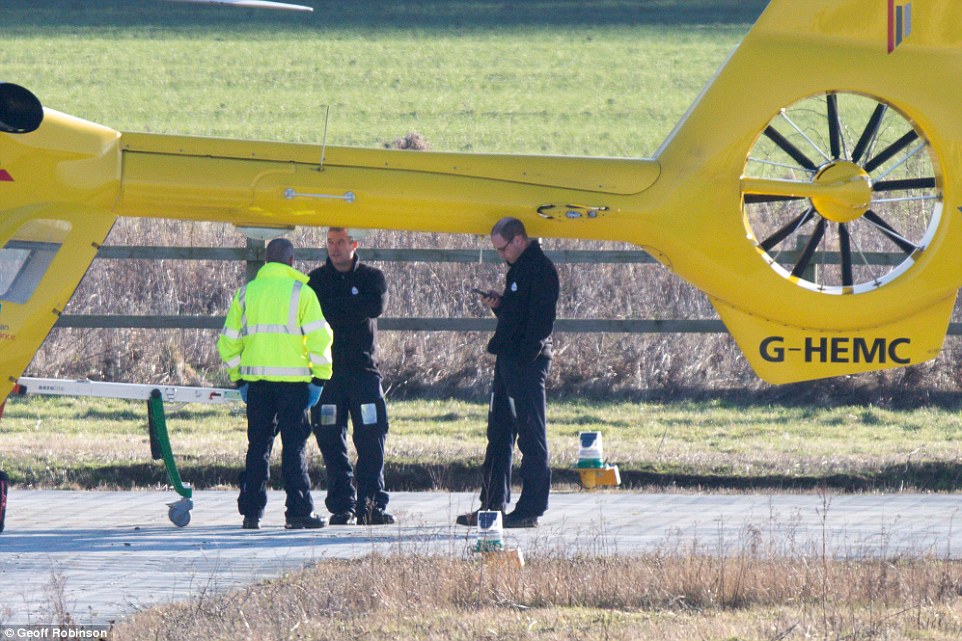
(601, 78)
(438, 444)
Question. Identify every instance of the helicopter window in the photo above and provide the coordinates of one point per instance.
(22, 265)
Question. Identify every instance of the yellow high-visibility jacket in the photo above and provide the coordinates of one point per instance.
(275, 330)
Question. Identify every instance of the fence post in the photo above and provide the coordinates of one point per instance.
(255, 257)
(801, 242)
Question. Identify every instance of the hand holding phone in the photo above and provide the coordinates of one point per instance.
(489, 298)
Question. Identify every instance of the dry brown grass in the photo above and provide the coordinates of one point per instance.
(750, 595)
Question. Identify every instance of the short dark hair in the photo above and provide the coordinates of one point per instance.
(344, 229)
(280, 250)
(508, 228)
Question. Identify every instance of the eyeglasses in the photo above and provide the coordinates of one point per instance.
(501, 249)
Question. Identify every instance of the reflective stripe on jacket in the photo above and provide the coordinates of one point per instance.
(275, 330)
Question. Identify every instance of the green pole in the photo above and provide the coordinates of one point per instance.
(157, 424)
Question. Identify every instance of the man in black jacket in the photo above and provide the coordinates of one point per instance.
(352, 296)
(522, 343)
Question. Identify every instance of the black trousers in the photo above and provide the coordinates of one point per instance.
(517, 413)
(357, 395)
(274, 408)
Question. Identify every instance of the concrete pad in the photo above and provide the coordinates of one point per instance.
(99, 556)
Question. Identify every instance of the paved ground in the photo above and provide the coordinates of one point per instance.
(99, 556)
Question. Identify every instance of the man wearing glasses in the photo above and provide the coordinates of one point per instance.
(522, 344)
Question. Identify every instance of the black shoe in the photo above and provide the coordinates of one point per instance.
(469, 519)
(375, 516)
(517, 520)
(251, 523)
(310, 522)
(342, 518)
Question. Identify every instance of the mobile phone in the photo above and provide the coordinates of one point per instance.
(480, 292)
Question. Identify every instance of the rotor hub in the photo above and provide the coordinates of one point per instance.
(847, 194)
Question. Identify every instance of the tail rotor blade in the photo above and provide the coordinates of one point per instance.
(257, 4)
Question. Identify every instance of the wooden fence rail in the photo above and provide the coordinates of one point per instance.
(576, 256)
(253, 255)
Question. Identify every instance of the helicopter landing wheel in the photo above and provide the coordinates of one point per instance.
(179, 512)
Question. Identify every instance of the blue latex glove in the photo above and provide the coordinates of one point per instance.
(243, 392)
(313, 395)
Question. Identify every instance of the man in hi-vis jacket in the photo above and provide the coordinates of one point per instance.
(276, 346)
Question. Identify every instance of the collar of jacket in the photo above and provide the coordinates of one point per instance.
(280, 270)
(534, 247)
